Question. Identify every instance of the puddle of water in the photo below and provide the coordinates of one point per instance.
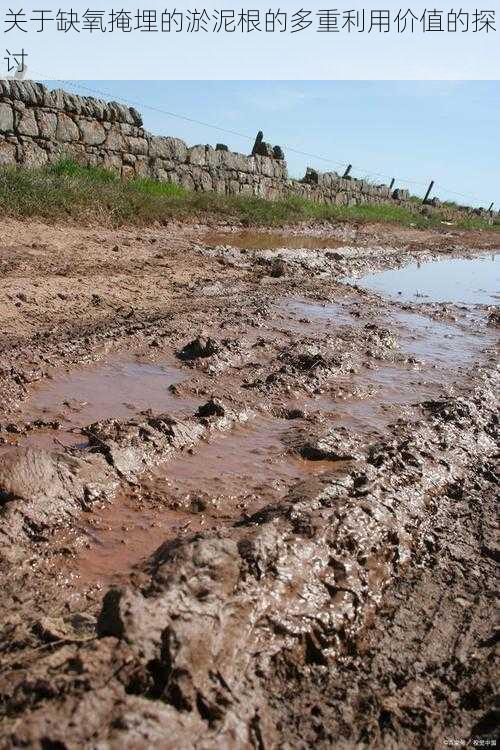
(326, 314)
(234, 473)
(239, 471)
(118, 387)
(248, 240)
(459, 280)
(383, 392)
(440, 348)
(121, 536)
(247, 468)
(440, 343)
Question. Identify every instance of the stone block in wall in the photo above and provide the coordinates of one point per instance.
(115, 140)
(27, 124)
(32, 155)
(5, 87)
(161, 165)
(67, 130)
(6, 118)
(161, 175)
(129, 159)
(91, 132)
(206, 182)
(8, 153)
(94, 108)
(159, 148)
(121, 113)
(71, 103)
(260, 189)
(219, 186)
(280, 170)
(186, 180)
(26, 92)
(138, 146)
(238, 162)
(136, 116)
(197, 156)
(213, 157)
(264, 165)
(142, 167)
(47, 124)
(91, 159)
(178, 150)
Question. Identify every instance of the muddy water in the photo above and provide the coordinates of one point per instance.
(118, 387)
(236, 473)
(370, 400)
(297, 313)
(248, 240)
(231, 475)
(122, 535)
(459, 280)
(441, 344)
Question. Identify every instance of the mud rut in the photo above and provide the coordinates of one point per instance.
(262, 515)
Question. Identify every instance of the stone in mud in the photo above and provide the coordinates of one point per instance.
(278, 268)
(323, 443)
(213, 408)
(306, 358)
(200, 347)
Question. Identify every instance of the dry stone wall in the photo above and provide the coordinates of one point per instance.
(39, 127)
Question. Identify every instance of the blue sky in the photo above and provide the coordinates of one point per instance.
(411, 130)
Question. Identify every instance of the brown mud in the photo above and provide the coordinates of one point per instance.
(244, 501)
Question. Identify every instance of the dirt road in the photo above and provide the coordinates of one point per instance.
(244, 500)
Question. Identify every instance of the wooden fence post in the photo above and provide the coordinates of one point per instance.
(428, 191)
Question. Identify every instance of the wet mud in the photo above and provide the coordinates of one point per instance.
(245, 500)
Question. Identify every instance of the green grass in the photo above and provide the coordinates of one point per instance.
(66, 190)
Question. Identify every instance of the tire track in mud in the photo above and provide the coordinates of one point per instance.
(258, 631)
(207, 616)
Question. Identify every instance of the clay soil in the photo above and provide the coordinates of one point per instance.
(243, 502)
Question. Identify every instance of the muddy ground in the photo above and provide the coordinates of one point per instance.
(243, 504)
